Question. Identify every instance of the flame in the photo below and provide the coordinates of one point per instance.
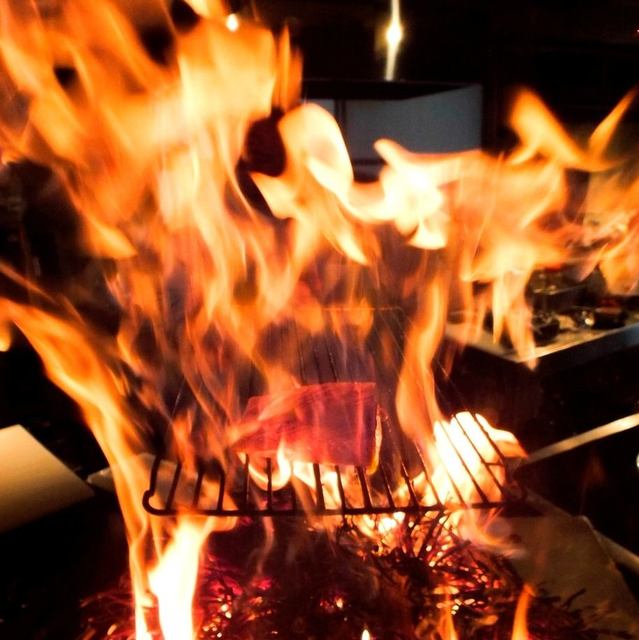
(541, 133)
(235, 239)
(173, 579)
(207, 8)
(520, 627)
(232, 22)
(280, 474)
(446, 629)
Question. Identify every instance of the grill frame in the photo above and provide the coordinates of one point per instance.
(324, 360)
(250, 500)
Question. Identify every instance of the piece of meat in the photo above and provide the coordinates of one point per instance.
(332, 423)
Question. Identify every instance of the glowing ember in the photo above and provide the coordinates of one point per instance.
(338, 588)
(231, 267)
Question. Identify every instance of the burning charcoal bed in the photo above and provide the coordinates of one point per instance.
(349, 586)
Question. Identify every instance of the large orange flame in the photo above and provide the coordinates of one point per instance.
(213, 278)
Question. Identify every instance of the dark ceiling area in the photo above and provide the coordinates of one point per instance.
(582, 57)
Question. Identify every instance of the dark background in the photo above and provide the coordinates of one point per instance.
(581, 57)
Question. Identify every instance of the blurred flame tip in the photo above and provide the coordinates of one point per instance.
(232, 22)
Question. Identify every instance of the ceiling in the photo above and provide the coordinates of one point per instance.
(581, 56)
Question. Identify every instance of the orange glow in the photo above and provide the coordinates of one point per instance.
(207, 8)
(280, 473)
(232, 22)
(234, 279)
(446, 626)
(520, 626)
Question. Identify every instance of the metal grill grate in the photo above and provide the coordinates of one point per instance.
(402, 482)
(333, 490)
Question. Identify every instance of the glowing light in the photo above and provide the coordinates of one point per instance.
(394, 35)
(5, 337)
(232, 22)
(173, 580)
(366, 635)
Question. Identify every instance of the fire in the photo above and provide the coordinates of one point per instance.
(520, 628)
(173, 579)
(235, 235)
(447, 626)
(232, 22)
(280, 475)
